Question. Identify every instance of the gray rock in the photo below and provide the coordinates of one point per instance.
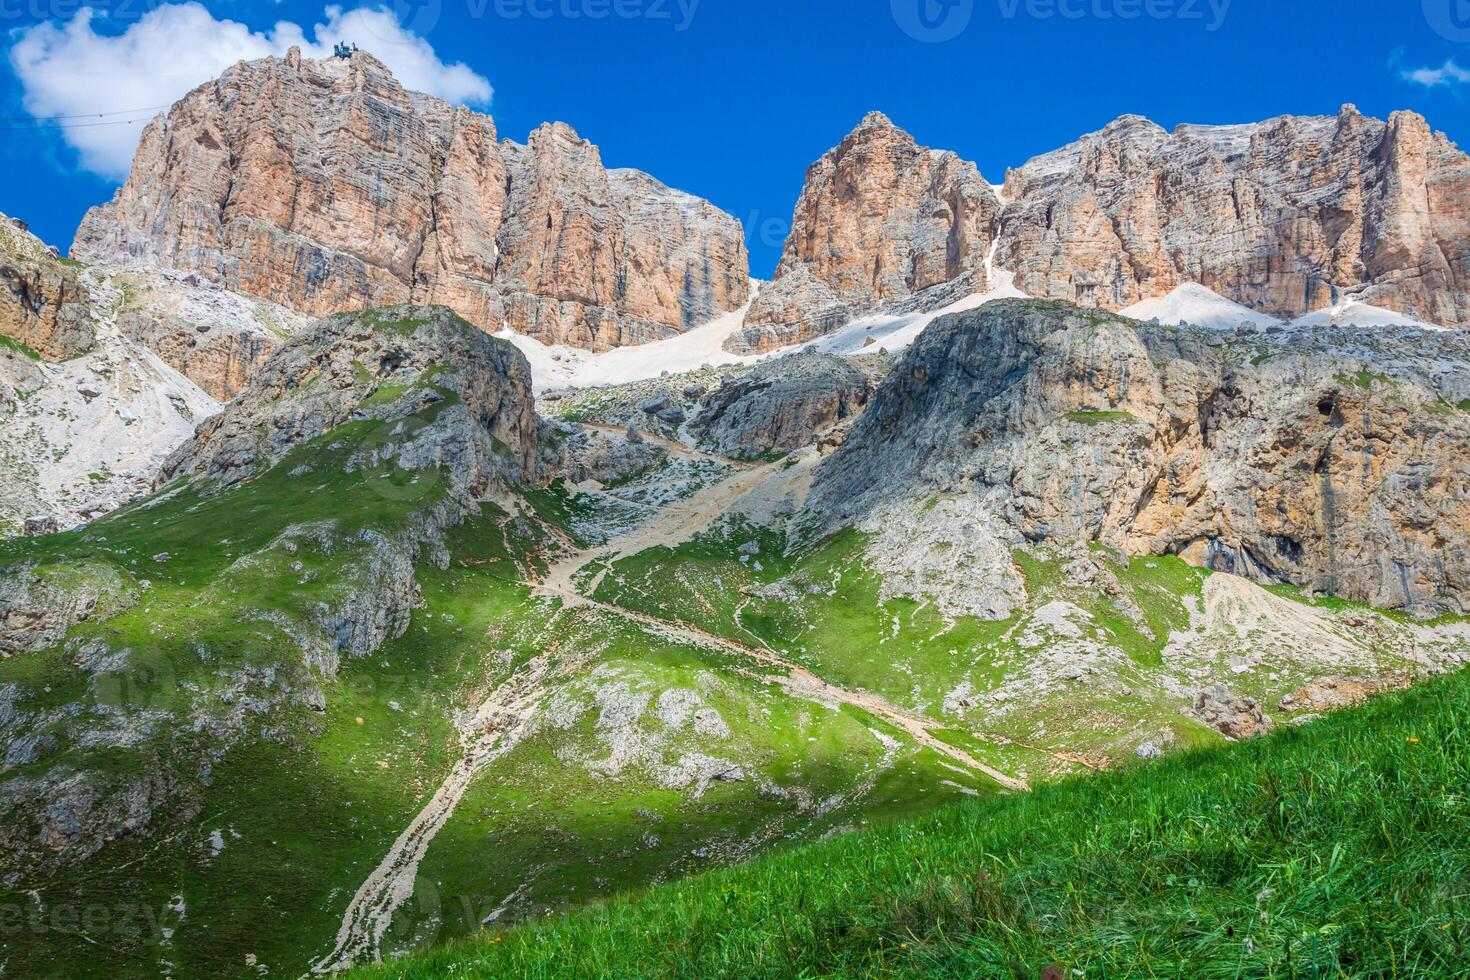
(783, 404)
(608, 458)
(326, 376)
(40, 525)
(1232, 715)
(1311, 466)
(37, 609)
(656, 405)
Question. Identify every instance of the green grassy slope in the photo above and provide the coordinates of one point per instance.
(251, 865)
(823, 606)
(1334, 849)
(209, 675)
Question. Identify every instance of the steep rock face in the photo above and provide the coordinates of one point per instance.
(1285, 216)
(782, 405)
(42, 305)
(326, 186)
(362, 366)
(1047, 422)
(880, 218)
(215, 338)
(795, 307)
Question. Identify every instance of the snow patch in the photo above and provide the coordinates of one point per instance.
(1354, 313)
(559, 366)
(894, 333)
(1190, 304)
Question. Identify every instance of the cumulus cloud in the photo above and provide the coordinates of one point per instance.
(70, 69)
(1448, 73)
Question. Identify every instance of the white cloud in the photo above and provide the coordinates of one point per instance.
(1448, 73)
(70, 69)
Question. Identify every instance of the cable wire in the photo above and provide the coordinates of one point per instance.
(82, 115)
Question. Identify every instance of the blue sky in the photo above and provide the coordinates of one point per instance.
(732, 99)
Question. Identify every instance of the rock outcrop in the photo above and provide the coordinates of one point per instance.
(1232, 715)
(42, 305)
(606, 457)
(1343, 473)
(1285, 216)
(37, 610)
(389, 364)
(880, 218)
(325, 186)
(783, 404)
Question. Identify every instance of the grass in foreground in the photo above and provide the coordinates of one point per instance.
(1338, 849)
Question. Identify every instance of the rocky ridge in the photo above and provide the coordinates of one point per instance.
(1285, 217)
(326, 186)
(1043, 422)
(383, 364)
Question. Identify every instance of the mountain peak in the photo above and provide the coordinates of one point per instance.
(422, 203)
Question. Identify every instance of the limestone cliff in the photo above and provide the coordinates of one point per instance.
(880, 218)
(1285, 217)
(326, 186)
